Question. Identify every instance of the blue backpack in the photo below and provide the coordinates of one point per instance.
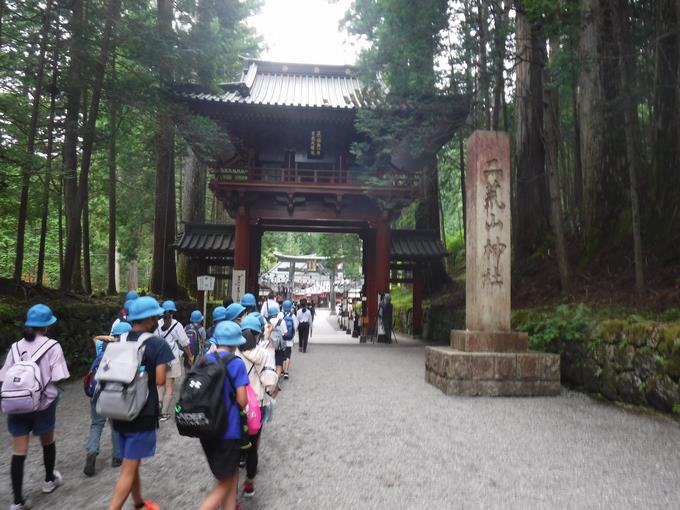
(290, 327)
(89, 380)
(192, 334)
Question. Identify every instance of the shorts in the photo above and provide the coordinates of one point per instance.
(288, 353)
(223, 456)
(175, 369)
(137, 445)
(38, 422)
(280, 357)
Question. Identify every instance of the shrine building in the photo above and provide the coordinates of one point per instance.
(288, 167)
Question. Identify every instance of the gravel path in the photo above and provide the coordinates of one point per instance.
(357, 427)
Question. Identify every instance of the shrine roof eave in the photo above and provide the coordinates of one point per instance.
(415, 245)
(297, 189)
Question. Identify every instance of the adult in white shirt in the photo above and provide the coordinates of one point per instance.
(270, 302)
(172, 331)
(304, 318)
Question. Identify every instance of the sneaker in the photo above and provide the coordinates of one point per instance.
(115, 462)
(51, 486)
(149, 504)
(26, 505)
(164, 417)
(89, 464)
(285, 375)
(248, 489)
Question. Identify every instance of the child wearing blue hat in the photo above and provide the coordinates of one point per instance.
(97, 421)
(36, 414)
(172, 331)
(137, 438)
(196, 334)
(223, 454)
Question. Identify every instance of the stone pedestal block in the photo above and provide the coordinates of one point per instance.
(489, 341)
(493, 374)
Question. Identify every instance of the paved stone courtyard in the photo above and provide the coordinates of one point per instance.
(357, 427)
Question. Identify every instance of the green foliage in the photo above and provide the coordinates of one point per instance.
(566, 323)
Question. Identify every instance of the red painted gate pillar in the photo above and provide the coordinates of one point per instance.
(382, 257)
(418, 286)
(370, 279)
(242, 242)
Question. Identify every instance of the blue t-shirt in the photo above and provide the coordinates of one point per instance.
(98, 347)
(156, 352)
(239, 377)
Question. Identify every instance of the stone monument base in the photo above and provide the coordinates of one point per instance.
(492, 374)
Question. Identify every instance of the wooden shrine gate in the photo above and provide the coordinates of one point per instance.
(287, 165)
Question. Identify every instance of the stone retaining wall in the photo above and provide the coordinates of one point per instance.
(632, 362)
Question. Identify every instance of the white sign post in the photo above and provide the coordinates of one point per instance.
(238, 284)
(205, 284)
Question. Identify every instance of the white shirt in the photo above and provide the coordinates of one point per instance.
(282, 325)
(175, 339)
(266, 306)
(304, 316)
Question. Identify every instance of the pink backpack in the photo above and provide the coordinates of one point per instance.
(253, 414)
(23, 387)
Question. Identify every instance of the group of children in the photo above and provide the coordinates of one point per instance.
(254, 348)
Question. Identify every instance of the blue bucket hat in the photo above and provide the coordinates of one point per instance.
(287, 305)
(169, 306)
(259, 317)
(234, 310)
(248, 300)
(273, 311)
(251, 322)
(127, 305)
(39, 316)
(131, 296)
(228, 333)
(219, 314)
(121, 328)
(196, 316)
(143, 308)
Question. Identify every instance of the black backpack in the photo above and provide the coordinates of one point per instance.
(200, 411)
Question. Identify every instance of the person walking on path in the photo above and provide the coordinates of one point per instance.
(196, 334)
(122, 315)
(137, 438)
(276, 330)
(219, 314)
(268, 304)
(254, 357)
(97, 421)
(291, 327)
(172, 331)
(223, 453)
(35, 347)
(304, 318)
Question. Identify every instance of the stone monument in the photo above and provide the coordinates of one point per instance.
(488, 358)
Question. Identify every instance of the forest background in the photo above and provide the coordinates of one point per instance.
(95, 161)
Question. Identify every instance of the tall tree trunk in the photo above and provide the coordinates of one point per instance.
(27, 168)
(87, 268)
(193, 210)
(461, 150)
(482, 34)
(501, 16)
(531, 222)
(48, 173)
(72, 245)
(163, 275)
(71, 130)
(666, 120)
(551, 137)
(626, 76)
(113, 153)
(591, 118)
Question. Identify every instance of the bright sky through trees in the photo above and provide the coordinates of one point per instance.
(305, 31)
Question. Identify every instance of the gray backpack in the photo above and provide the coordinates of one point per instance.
(122, 381)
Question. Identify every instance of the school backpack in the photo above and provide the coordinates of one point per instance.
(200, 411)
(89, 380)
(193, 336)
(277, 337)
(122, 382)
(290, 326)
(23, 388)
